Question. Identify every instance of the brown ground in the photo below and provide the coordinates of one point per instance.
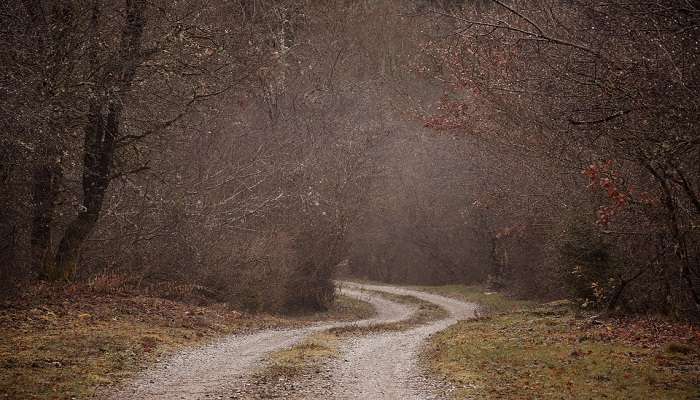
(62, 342)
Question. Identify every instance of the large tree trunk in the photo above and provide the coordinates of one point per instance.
(497, 266)
(101, 133)
(100, 137)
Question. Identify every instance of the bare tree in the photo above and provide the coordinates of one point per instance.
(605, 87)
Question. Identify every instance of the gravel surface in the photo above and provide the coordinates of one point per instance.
(220, 370)
(385, 366)
(376, 366)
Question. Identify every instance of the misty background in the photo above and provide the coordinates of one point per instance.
(253, 151)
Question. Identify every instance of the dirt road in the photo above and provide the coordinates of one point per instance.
(378, 366)
(385, 366)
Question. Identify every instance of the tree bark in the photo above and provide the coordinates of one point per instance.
(101, 133)
(677, 236)
(100, 137)
(45, 188)
(49, 22)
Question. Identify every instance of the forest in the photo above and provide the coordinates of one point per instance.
(252, 153)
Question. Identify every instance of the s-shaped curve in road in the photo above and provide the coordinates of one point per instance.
(212, 370)
(379, 366)
(385, 366)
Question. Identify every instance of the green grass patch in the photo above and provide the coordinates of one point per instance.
(425, 310)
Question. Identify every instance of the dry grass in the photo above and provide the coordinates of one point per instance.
(307, 355)
(489, 302)
(344, 308)
(292, 362)
(425, 312)
(59, 344)
(551, 352)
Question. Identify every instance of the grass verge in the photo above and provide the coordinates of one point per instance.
(64, 345)
(344, 308)
(489, 302)
(425, 312)
(528, 351)
(292, 362)
(288, 364)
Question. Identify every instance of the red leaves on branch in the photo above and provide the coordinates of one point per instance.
(603, 176)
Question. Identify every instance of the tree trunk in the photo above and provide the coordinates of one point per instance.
(678, 237)
(46, 176)
(45, 188)
(100, 137)
(101, 133)
(497, 266)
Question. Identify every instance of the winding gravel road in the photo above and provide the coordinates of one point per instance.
(220, 367)
(385, 366)
(376, 366)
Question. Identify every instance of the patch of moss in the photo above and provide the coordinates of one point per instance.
(346, 308)
(74, 361)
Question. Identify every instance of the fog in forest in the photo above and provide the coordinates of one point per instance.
(253, 151)
(349, 199)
